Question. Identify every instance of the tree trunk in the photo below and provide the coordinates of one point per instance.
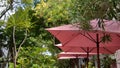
(14, 48)
(14, 58)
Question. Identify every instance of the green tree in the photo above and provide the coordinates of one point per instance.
(51, 13)
(17, 29)
(85, 10)
(55, 12)
(9, 7)
(106, 61)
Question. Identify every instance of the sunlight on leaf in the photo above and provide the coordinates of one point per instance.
(106, 38)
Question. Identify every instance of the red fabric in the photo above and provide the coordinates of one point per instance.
(70, 55)
(72, 35)
(103, 50)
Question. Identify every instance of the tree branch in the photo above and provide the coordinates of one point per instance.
(14, 47)
(14, 42)
(4, 11)
(22, 42)
(7, 9)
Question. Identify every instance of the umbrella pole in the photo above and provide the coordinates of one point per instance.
(77, 62)
(98, 58)
(87, 56)
(71, 63)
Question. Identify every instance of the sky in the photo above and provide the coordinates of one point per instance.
(4, 5)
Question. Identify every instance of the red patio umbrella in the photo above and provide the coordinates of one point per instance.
(74, 54)
(70, 35)
(71, 55)
(88, 50)
(102, 50)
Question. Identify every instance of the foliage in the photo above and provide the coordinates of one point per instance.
(85, 10)
(39, 43)
(16, 30)
(53, 11)
(27, 2)
(63, 63)
(106, 38)
(106, 61)
(46, 14)
(19, 19)
(34, 57)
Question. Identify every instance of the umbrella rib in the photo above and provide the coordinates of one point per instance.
(92, 49)
(83, 49)
(108, 50)
(57, 33)
(91, 37)
(88, 37)
(88, 50)
(70, 39)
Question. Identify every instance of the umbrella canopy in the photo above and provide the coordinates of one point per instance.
(70, 35)
(69, 55)
(76, 55)
(102, 50)
(88, 50)
(73, 35)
